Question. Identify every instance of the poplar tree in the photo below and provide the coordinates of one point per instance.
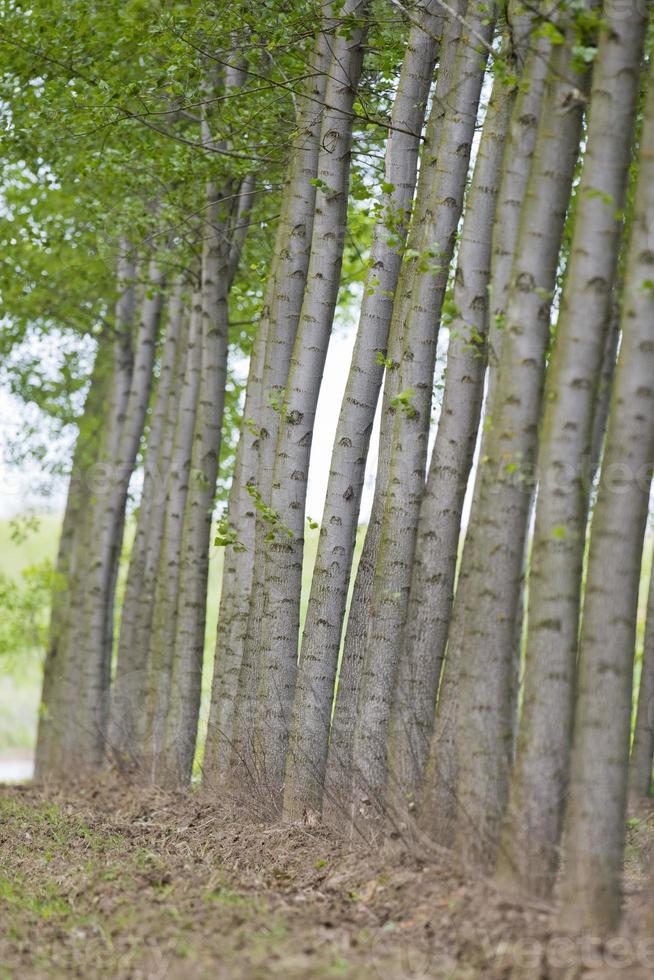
(321, 638)
(482, 640)
(533, 826)
(338, 775)
(593, 843)
(278, 630)
(437, 536)
(229, 739)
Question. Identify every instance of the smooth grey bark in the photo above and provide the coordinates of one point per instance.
(279, 627)
(223, 230)
(95, 634)
(532, 58)
(49, 760)
(238, 573)
(491, 568)
(603, 398)
(237, 237)
(130, 680)
(338, 772)
(438, 806)
(279, 320)
(529, 853)
(137, 689)
(595, 818)
(176, 759)
(642, 752)
(321, 640)
(338, 775)
(434, 564)
(75, 735)
(166, 579)
(237, 577)
(411, 417)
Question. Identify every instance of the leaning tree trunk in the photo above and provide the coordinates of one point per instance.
(411, 415)
(532, 54)
(321, 640)
(434, 565)
(53, 713)
(95, 635)
(223, 231)
(176, 761)
(278, 630)
(130, 681)
(595, 819)
(603, 400)
(529, 853)
(438, 808)
(517, 162)
(166, 579)
(71, 738)
(491, 569)
(278, 328)
(338, 774)
(236, 533)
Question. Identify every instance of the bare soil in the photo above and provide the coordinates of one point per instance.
(115, 881)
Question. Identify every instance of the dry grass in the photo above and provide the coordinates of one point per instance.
(115, 881)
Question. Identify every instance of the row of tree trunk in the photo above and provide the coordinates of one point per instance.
(478, 687)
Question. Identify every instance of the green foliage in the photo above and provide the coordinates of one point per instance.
(25, 603)
(385, 362)
(476, 342)
(227, 535)
(404, 402)
(275, 398)
(584, 54)
(269, 515)
(324, 187)
(550, 31)
(427, 260)
(450, 311)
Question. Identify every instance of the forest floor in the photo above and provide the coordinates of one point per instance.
(113, 881)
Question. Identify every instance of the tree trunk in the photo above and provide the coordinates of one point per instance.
(434, 565)
(176, 761)
(223, 234)
(438, 806)
(491, 569)
(338, 775)
(278, 327)
(130, 682)
(603, 400)
(75, 725)
(307, 759)
(166, 579)
(529, 853)
(95, 636)
(532, 59)
(238, 535)
(594, 834)
(412, 412)
(278, 630)
(53, 713)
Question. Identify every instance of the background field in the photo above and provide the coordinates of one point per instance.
(20, 673)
